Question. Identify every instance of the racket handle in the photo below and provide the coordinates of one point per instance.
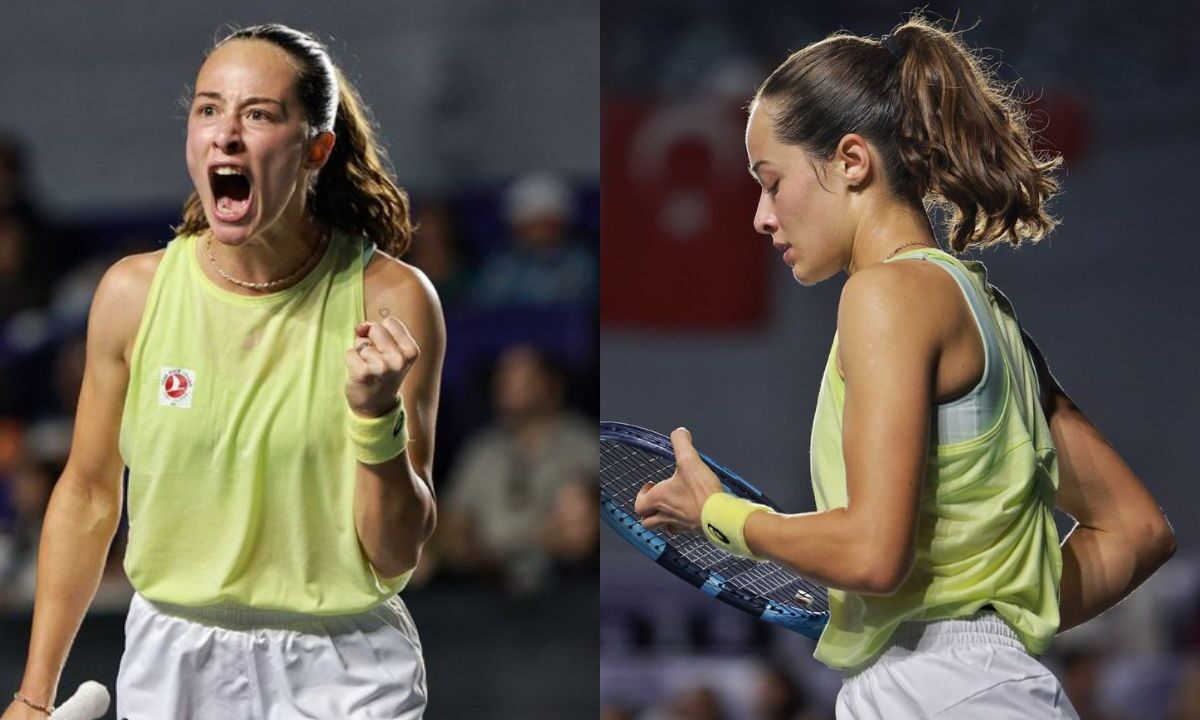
(89, 702)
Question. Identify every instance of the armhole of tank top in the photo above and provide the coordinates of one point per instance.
(368, 252)
(995, 361)
(1026, 341)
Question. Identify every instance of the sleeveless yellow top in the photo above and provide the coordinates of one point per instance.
(986, 533)
(241, 479)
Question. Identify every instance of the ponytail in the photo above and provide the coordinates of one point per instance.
(949, 134)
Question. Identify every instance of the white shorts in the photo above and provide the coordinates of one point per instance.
(246, 664)
(954, 669)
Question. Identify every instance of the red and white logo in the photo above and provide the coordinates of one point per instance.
(175, 387)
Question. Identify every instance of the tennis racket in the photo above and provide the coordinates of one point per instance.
(630, 457)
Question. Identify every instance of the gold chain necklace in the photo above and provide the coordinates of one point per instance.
(269, 283)
(906, 245)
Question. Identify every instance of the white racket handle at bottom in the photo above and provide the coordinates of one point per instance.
(89, 702)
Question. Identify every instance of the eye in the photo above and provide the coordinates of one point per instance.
(773, 189)
(259, 115)
(206, 110)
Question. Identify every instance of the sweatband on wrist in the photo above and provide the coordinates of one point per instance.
(377, 440)
(723, 518)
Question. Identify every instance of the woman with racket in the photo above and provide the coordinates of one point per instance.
(270, 380)
(941, 442)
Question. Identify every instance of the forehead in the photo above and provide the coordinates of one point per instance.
(760, 135)
(248, 67)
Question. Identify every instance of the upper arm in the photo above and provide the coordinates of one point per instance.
(396, 289)
(1096, 486)
(95, 462)
(889, 350)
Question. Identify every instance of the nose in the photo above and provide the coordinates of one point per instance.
(229, 136)
(765, 221)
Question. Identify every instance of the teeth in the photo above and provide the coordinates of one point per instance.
(226, 170)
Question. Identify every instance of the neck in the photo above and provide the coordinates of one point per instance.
(286, 249)
(884, 229)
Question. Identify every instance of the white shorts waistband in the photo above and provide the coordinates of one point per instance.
(982, 628)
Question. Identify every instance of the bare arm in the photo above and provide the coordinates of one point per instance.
(85, 508)
(889, 358)
(1121, 536)
(394, 500)
(889, 355)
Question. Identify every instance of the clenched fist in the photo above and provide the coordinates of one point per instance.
(382, 355)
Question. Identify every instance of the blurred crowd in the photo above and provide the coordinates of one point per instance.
(515, 465)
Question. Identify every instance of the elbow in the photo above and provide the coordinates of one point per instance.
(399, 564)
(883, 573)
(407, 552)
(1160, 544)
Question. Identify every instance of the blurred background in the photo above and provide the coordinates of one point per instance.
(490, 113)
(702, 326)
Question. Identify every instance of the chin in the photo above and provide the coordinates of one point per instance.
(227, 235)
(808, 277)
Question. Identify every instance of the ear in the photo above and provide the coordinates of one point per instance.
(319, 150)
(852, 159)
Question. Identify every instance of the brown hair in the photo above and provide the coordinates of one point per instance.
(354, 191)
(949, 133)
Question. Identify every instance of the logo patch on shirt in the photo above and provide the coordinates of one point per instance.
(175, 387)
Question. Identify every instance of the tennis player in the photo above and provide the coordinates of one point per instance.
(270, 380)
(941, 443)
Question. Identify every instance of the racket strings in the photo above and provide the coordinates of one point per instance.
(624, 470)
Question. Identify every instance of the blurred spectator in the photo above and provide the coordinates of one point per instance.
(20, 286)
(14, 191)
(696, 703)
(26, 488)
(1185, 702)
(522, 495)
(1081, 674)
(544, 263)
(615, 712)
(437, 250)
(779, 697)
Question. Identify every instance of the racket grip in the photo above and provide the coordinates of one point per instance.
(89, 702)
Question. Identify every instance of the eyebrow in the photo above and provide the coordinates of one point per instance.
(754, 168)
(247, 101)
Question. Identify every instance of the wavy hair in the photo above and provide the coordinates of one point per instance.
(949, 133)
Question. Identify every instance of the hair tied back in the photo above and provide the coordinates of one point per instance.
(893, 46)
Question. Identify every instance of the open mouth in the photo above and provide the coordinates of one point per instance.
(231, 192)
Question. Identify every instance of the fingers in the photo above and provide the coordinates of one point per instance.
(357, 366)
(681, 441)
(641, 504)
(391, 339)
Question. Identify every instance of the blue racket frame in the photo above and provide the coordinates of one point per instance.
(648, 542)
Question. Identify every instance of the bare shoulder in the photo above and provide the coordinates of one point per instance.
(905, 301)
(120, 299)
(394, 287)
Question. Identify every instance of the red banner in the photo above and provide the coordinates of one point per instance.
(678, 246)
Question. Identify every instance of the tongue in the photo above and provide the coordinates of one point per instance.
(232, 210)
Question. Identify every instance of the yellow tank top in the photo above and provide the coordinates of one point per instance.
(241, 479)
(986, 533)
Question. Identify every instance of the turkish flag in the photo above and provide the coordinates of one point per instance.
(677, 206)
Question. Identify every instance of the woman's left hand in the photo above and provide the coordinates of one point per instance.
(675, 503)
(382, 355)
